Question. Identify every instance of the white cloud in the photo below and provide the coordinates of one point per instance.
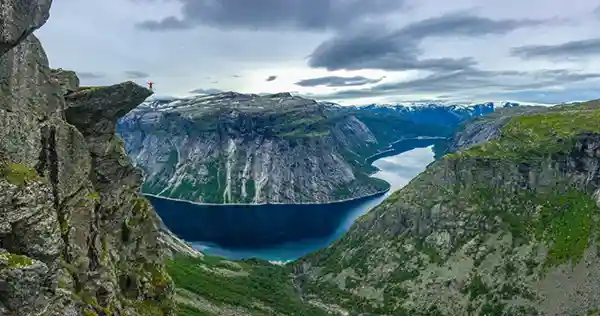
(102, 37)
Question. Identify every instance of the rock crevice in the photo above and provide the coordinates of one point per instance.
(67, 189)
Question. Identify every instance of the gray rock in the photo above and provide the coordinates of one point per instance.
(19, 18)
(75, 235)
(243, 148)
(67, 79)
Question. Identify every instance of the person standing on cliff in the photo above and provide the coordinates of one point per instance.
(150, 83)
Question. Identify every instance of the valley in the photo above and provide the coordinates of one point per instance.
(252, 149)
(492, 228)
(282, 232)
(301, 207)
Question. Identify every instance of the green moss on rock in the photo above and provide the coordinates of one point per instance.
(18, 174)
(89, 89)
(94, 196)
(14, 260)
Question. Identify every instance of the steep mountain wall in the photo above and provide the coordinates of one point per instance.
(76, 238)
(239, 148)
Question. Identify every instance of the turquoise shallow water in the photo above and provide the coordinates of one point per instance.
(282, 232)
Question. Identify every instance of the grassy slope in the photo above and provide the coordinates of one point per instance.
(213, 286)
(559, 215)
(534, 136)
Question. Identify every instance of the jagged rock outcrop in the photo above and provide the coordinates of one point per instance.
(75, 235)
(510, 226)
(19, 18)
(242, 148)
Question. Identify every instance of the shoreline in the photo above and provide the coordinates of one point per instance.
(388, 149)
(375, 194)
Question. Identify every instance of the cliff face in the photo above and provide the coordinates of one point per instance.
(75, 236)
(505, 227)
(238, 148)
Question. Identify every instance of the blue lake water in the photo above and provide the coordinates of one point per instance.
(282, 232)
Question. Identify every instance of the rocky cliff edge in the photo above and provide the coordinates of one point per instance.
(76, 238)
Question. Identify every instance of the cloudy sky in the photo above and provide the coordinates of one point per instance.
(347, 51)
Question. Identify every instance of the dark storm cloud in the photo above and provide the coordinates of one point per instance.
(271, 78)
(168, 23)
(136, 74)
(335, 81)
(379, 48)
(462, 24)
(268, 14)
(206, 91)
(573, 49)
(470, 80)
(90, 75)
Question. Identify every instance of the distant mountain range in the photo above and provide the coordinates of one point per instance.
(437, 113)
(421, 113)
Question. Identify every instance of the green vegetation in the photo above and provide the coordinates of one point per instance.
(139, 212)
(308, 125)
(211, 190)
(94, 196)
(255, 285)
(304, 134)
(14, 260)
(88, 89)
(148, 308)
(477, 287)
(529, 183)
(561, 216)
(250, 190)
(18, 174)
(430, 251)
(529, 137)
(185, 310)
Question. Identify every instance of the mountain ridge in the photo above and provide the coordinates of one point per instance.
(504, 225)
(275, 148)
(489, 229)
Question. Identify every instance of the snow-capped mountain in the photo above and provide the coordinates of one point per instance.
(438, 113)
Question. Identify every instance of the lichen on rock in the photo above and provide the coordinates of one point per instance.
(67, 189)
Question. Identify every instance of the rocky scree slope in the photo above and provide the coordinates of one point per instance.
(246, 148)
(509, 226)
(76, 237)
